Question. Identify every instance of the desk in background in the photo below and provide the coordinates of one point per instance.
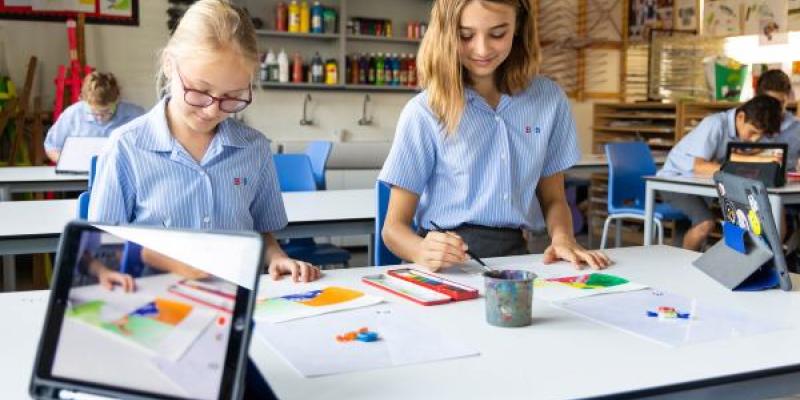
(38, 179)
(560, 356)
(778, 197)
(35, 226)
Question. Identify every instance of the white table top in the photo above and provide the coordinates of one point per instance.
(560, 356)
(48, 217)
(599, 160)
(37, 174)
(789, 188)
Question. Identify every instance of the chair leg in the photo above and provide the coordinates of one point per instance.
(605, 233)
(618, 234)
(659, 230)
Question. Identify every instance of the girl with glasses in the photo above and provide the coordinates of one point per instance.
(186, 163)
(482, 150)
(99, 112)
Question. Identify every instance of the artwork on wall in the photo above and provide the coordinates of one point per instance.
(118, 12)
(722, 18)
(645, 15)
(768, 19)
(687, 15)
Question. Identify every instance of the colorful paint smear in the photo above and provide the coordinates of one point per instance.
(590, 281)
(312, 302)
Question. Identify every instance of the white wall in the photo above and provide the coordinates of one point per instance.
(130, 53)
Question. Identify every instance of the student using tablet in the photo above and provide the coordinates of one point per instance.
(776, 83)
(186, 163)
(703, 150)
(99, 112)
(482, 150)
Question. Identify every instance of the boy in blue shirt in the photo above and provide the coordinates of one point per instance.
(97, 114)
(775, 83)
(703, 150)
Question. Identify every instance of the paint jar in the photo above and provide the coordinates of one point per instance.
(509, 297)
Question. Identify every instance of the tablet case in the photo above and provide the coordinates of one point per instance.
(771, 174)
(744, 259)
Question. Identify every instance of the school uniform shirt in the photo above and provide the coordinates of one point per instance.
(147, 177)
(485, 173)
(790, 134)
(709, 141)
(77, 120)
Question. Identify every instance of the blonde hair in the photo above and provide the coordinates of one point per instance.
(443, 76)
(100, 89)
(207, 28)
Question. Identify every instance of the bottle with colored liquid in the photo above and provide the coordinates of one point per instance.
(263, 74)
(283, 67)
(331, 72)
(354, 70)
(388, 66)
(412, 71)
(316, 18)
(363, 69)
(281, 15)
(272, 67)
(317, 69)
(372, 69)
(395, 69)
(379, 71)
(294, 17)
(297, 68)
(305, 17)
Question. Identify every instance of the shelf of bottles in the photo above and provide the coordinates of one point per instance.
(369, 71)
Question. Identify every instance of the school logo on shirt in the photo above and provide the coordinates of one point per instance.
(528, 130)
(239, 181)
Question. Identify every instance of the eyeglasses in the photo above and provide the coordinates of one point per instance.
(103, 114)
(196, 98)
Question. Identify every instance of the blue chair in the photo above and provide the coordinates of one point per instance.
(628, 162)
(295, 175)
(383, 256)
(83, 198)
(318, 152)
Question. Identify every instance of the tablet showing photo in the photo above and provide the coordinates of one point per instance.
(77, 154)
(148, 313)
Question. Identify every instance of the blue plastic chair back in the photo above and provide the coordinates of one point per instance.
(318, 152)
(383, 256)
(131, 261)
(628, 162)
(294, 172)
(83, 198)
(92, 171)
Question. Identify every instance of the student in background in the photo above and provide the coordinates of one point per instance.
(703, 150)
(776, 83)
(482, 150)
(99, 112)
(186, 164)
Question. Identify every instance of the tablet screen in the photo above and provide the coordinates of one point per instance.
(152, 310)
(757, 153)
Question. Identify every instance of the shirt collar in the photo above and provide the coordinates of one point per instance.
(730, 119)
(229, 132)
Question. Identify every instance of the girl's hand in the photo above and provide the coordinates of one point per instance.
(109, 278)
(569, 250)
(441, 250)
(301, 271)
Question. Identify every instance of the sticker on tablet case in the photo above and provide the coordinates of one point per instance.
(752, 200)
(755, 223)
(730, 212)
(741, 220)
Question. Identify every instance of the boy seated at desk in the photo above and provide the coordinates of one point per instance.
(97, 114)
(776, 84)
(703, 150)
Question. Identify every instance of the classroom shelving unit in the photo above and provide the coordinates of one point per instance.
(338, 45)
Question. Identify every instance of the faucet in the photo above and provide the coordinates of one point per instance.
(364, 120)
(305, 121)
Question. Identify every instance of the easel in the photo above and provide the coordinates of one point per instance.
(68, 86)
(17, 109)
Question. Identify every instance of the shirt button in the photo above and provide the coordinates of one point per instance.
(206, 219)
(503, 156)
(505, 196)
(497, 118)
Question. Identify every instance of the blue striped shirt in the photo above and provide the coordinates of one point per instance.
(147, 177)
(485, 173)
(77, 120)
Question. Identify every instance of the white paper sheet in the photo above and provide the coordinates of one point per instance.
(707, 322)
(310, 345)
(77, 153)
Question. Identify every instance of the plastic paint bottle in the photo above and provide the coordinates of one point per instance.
(305, 17)
(316, 18)
(363, 69)
(371, 75)
(317, 69)
(294, 17)
(272, 67)
(281, 14)
(331, 72)
(297, 68)
(283, 67)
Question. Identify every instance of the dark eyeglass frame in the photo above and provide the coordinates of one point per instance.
(240, 104)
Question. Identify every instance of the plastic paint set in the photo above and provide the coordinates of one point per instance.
(421, 287)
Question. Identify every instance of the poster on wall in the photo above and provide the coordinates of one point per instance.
(722, 18)
(768, 19)
(119, 12)
(687, 15)
(645, 15)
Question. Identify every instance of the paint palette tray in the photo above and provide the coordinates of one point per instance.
(454, 290)
(421, 287)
